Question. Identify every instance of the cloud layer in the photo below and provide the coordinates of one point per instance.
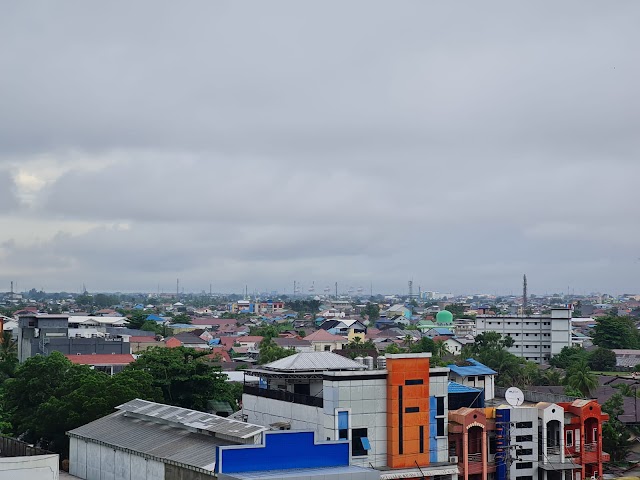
(256, 144)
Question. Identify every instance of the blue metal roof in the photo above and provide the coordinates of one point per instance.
(476, 369)
(156, 318)
(443, 331)
(458, 388)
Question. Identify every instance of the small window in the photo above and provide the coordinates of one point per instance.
(493, 445)
(439, 405)
(524, 451)
(440, 427)
(524, 438)
(471, 379)
(524, 425)
(569, 438)
(343, 425)
(327, 348)
(525, 477)
(523, 465)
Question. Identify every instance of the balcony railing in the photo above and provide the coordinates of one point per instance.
(553, 450)
(475, 457)
(284, 396)
(591, 447)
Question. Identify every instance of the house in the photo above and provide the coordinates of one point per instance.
(187, 340)
(346, 327)
(296, 344)
(109, 363)
(323, 341)
(398, 311)
(476, 375)
(140, 344)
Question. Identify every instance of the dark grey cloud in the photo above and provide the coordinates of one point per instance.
(459, 145)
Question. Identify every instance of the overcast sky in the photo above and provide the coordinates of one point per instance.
(458, 144)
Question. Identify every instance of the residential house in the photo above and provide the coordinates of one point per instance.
(475, 375)
(323, 341)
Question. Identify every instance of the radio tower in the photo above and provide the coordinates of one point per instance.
(410, 289)
(525, 301)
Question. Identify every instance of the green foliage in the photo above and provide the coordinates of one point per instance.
(181, 318)
(615, 436)
(393, 348)
(572, 392)
(425, 344)
(8, 356)
(151, 326)
(602, 360)
(568, 356)
(304, 306)
(49, 396)
(372, 310)
(270, 351)
(580, 378)
(616, 332)
(137, 318)
(456, 308)
(184, 376)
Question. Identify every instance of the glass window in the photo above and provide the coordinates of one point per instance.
(439, 405)
(524, 438)
(440, 427)
(523, 465)
(569, 438)
(358, 446)
(524, 424)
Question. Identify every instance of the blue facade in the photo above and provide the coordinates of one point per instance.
(282, 451)
(433, 429)
(503, 417)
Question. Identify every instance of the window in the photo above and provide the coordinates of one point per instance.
(440, 427)
(343, 425)
(327, 348)
(359, 442)
(439, 405)
(481, 377)
(524, 438)
(525, 477)
(569, 438)
(493, 445)
(471, 379)
(524, 451)
(524, 425)
(523, 465)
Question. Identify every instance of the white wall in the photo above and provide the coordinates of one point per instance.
(91, 461)
(265, 411)
(41, 467)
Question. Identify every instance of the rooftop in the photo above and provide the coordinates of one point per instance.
(476, 368)
(314, 361)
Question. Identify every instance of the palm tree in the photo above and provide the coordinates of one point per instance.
(408, 340)
(580, 377)
(8, 354)
(440, 348)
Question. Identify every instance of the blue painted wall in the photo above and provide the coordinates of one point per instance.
(503, 417)
(433, 430)
(282, 450)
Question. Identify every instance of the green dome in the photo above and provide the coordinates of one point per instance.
(444, 316)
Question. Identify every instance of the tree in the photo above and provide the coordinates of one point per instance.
(270, 351)
(8, 355)
(440, 349)
(425, 344)
(615, 436)
(182, 318)
(151, 326)
(568, 356)
(49, 396)
(137, 318)
(580, 377)
(456, 308)
(372, 310)
(616, 332)
(602, 360)
(184, 376)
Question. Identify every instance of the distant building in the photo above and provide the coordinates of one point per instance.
(43, 334)
(536, 337)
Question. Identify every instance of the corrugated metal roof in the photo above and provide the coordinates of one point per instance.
(476, 369)
(455, 387)
(160, 441)
(314, 361)
(192, 419)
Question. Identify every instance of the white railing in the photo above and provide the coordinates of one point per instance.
(475, 457)
(591, 447)
(553, 450)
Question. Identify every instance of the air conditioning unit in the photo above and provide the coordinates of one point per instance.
(453, 459)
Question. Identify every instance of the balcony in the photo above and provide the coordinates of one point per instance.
(475, 463)
(283, 396)
(590, 453)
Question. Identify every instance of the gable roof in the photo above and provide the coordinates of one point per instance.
(323, 336)
(455, 387)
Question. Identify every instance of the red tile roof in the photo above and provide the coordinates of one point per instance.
(102, 359)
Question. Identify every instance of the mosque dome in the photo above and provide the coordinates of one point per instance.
(444, 316)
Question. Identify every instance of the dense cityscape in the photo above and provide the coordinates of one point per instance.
(282, 363)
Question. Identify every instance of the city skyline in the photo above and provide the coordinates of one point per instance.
(259, 143)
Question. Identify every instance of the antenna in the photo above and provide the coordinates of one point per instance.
(525, 301)
(336, 290)
(410, 289)
(177, 287)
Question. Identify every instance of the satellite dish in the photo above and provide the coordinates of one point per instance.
(514, 396)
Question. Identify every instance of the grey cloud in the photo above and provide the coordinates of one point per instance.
(361, 141)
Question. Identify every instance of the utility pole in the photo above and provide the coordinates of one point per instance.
(525, 301)
(177, 288)
(336, 290)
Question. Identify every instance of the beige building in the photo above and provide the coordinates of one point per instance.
(323, 341)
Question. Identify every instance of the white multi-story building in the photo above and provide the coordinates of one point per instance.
(396, 416)
(536, 337)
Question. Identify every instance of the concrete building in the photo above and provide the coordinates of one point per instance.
(151, 441)
(43, 334)
(536, 337)
(474, 375)
(395, 417)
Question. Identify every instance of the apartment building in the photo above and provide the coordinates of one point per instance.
(536, 337)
